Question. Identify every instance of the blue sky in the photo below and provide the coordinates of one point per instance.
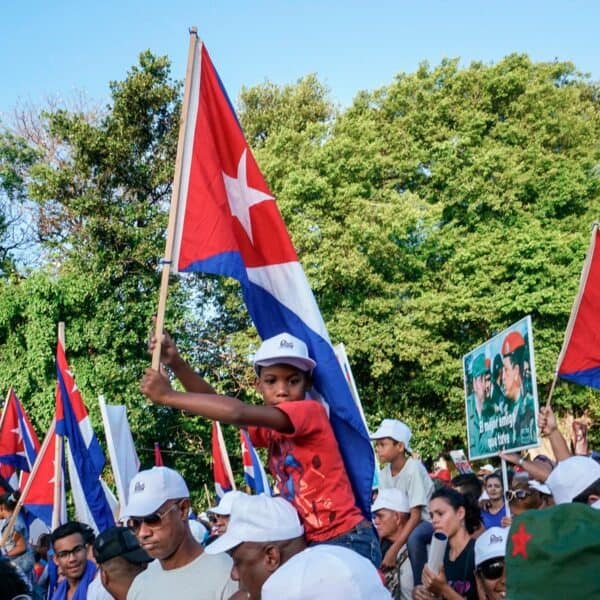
(64, 47)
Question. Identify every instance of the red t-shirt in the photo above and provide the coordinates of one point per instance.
(309, 470)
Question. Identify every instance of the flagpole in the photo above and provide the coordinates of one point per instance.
(166, 262)
(34, 470)
(573, 317)
(58, 447)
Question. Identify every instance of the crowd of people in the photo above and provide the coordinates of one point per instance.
(308, 541)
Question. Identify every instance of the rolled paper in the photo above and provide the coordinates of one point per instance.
(437, 549)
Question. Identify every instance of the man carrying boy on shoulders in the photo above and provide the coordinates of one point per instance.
(392, 442)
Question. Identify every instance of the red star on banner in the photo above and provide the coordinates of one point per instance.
(520, 540)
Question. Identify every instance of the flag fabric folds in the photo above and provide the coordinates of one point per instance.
(579, 360)
(228, 224)
(254, 472)
(121, 449)
(19, 443)
(221, 467)
(85, 454)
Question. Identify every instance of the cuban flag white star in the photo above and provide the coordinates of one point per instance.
(241, 197)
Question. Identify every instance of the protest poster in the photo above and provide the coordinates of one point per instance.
(501, 394)
(460, 461)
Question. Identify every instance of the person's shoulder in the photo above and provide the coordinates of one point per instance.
(214, 561)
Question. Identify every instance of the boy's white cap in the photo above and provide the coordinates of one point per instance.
(284, 349)
(397, 430)
(571, 476)
(150, 489)
(491, 544)
(325, 571)
(223, 508)
(258, 519)
(392, 499)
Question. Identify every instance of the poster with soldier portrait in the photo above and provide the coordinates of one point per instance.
(501, 394)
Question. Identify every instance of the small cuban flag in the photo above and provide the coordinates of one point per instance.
(254, 473)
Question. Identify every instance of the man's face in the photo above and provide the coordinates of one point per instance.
(221, 523)
(70, 556)
(161, 537)
(492, 587)
(480, 387)
(250, 567)
(511, 378)
(281, 383)
(388, 522)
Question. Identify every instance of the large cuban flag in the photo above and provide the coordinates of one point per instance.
(228, 224)
(19, 443)
(579, 360)
(86, 459)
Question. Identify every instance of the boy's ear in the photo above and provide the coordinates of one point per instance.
(401, 446)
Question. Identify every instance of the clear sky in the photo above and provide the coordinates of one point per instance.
(58, 48)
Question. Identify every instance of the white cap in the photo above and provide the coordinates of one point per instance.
(223, 508)
(487, 468)
(150, 489)
(258, 519)
(539, 487)
(325, 571)
(571, 476)
(491, 544)
(397, 430)
(392, 499)
(284, 349)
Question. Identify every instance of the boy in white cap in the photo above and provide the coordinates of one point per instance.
(304, 457)
(157, 512)
(490, 549)
(401, 471)
(271, 560)
(576, 479)
(390, 514)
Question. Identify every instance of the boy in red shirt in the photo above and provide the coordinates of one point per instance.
(304, 457)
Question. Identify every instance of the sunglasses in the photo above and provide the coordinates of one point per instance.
(492, 570)
(66, 553)
(511, 495)
(152, 520)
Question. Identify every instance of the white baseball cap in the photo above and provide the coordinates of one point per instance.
(392, 499)
(150, 489)
(491, 544)
(223, 508)
(397, 430)
(571, 476)
(325, 571)
(542, 488)
(258, 519)
(283, 349)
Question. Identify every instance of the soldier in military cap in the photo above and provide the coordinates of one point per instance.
(479, 406)
(519, 403)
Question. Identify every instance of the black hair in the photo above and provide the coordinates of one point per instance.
(12, 582)
(10, 500)
(71, 527)
(456, 500)
(469, 484)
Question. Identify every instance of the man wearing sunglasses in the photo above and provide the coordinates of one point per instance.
(157, 512)
(490, 549)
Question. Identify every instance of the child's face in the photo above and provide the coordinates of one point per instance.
(281, 383)
(388, 449)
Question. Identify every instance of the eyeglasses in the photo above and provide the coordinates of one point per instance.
(511, 495)
(152, 520)
(66, 553)
(492, 570)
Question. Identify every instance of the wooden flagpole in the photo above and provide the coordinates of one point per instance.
(34, 470)
(166, 262)
(58, 458)
(573, 317)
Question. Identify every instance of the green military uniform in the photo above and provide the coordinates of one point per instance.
(478, 437)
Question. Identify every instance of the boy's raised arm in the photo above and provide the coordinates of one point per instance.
(157, 388)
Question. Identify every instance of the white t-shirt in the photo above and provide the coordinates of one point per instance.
(325, 572)
(412, 479)
(205, 578)
(96, 591)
